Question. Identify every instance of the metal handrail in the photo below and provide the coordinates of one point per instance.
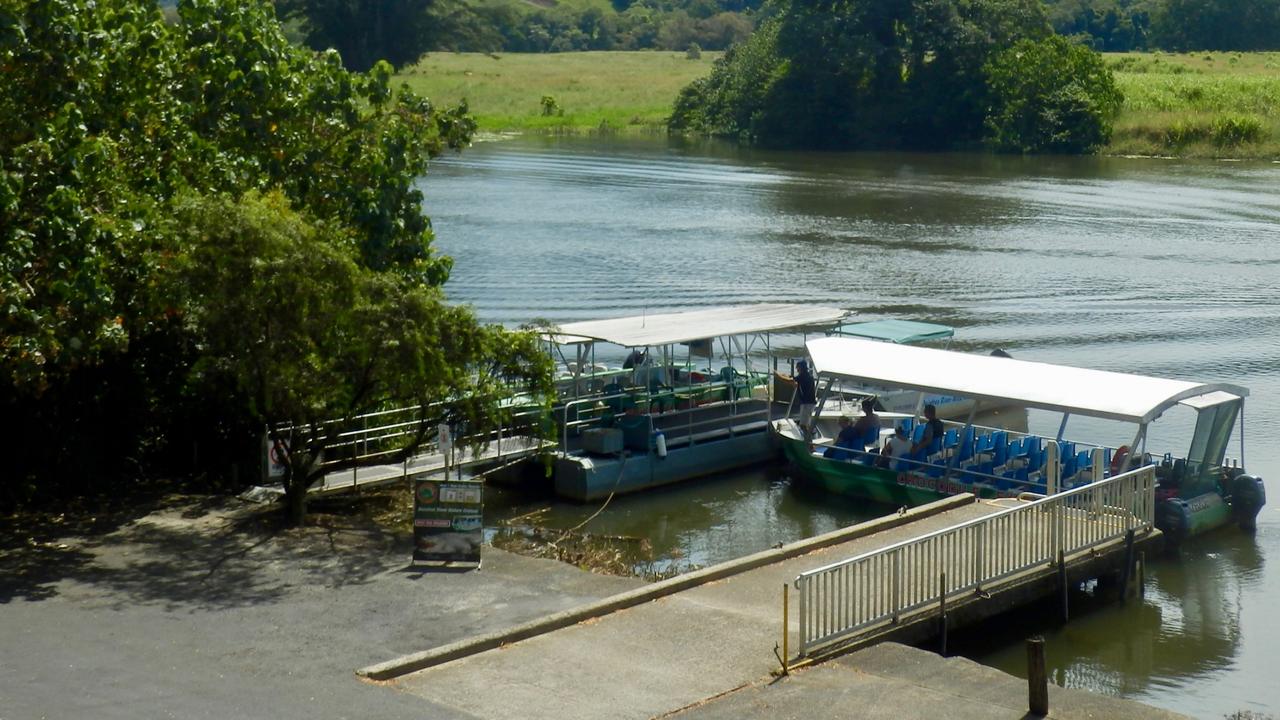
(353, 444)
(596, 400)
(881, 586)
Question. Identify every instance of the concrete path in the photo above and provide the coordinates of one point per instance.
(896, 682)
(193, 612)
(651, 659)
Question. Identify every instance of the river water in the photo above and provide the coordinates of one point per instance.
(1158, 267)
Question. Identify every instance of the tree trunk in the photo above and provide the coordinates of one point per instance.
(295, 501)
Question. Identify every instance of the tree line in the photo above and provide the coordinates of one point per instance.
(401, 31)
(1172, 25)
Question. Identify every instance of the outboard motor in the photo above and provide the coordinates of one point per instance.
(1173, 517)
(1248, 495)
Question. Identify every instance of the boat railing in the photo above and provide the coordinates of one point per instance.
(880, 587)
(607, 409)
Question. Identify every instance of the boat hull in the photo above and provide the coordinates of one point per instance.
(858, 480)
(593, 477)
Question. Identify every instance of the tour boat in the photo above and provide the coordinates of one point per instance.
(1196, 491)
(693, 396)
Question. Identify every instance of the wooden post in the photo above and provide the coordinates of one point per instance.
(1037, 679)
(1126, 570)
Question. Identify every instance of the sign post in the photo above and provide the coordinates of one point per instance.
(448, 515)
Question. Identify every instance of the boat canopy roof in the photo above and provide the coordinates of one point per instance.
(1094, 393)
(693, 325)
(897, 331)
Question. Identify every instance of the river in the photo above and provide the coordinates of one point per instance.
(1150, 266)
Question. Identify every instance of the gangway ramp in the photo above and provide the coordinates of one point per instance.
(642, 657)
(509, 449)
(359, 450)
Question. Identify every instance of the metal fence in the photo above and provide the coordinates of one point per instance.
(375, 437)
(879, 587)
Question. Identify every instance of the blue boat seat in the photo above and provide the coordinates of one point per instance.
(950, 438)
(965, 450)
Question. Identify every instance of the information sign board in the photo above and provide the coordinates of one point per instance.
(448, 521)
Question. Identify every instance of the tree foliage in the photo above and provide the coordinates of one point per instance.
(1188, 25)
(864, 74)
(1051, 96)
(148, 172)
(1106, 25)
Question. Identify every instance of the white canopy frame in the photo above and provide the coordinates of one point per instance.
(1069, 390)
(1061, 388)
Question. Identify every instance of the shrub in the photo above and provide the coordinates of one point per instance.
(1231, 131)
(1050, 96)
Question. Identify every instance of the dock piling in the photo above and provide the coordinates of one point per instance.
(1126, 570)
(1037, 679)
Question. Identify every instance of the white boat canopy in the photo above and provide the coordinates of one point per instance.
(693, 325)
(1094, 393)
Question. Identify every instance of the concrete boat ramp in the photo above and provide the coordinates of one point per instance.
(707, 645)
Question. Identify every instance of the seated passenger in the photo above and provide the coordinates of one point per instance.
(932, 430)
(896, 447)
(846, 440)
(867, 429)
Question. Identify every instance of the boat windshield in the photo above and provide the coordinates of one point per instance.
(1209, 443)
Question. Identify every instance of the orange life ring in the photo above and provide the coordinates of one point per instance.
(1117, 459)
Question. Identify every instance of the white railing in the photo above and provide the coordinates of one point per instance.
(879, 587)
(372, 437)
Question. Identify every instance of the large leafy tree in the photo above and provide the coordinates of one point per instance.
(128, 147)
(1051, 96)
(865, 73)
(366, 31)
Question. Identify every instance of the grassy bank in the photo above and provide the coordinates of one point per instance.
(613, 91)
(1199, 105)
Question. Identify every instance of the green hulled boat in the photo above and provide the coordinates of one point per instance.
(1197, 491)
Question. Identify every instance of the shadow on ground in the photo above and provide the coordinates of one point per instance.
(198, 553)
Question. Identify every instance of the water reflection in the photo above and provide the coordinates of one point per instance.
(1185, 635)
(699, 523)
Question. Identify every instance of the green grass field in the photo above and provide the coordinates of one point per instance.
(1197, 105)
(593, 91)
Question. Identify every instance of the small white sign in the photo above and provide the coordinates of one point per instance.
(445, 438)
(277, 457)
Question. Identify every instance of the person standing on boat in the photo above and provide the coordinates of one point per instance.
(932, 429)
(806, 394)
(635, 359)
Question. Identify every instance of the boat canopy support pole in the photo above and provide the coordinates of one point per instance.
(968, 423)
(826, 390)
(1062, 429)
(1140, 438)
(1242, 465)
